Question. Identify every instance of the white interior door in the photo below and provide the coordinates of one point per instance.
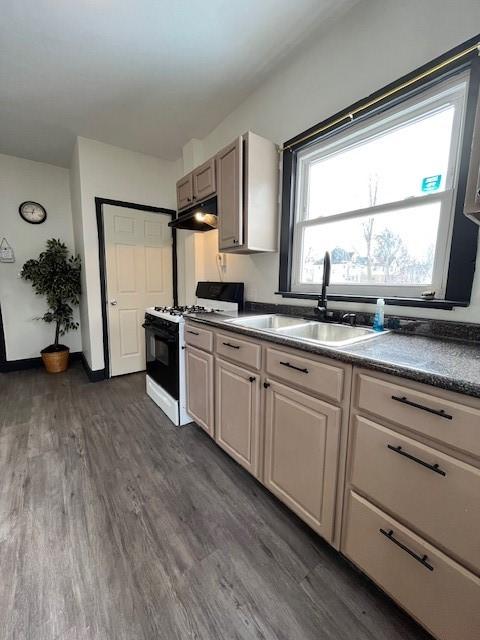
(138, 253)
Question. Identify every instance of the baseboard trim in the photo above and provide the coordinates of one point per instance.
(93, 376)
(31, 363)
(35, 363)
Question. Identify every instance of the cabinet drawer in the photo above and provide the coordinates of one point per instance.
(321, 378)
(439, 593)
(238, 350)
(448, 422)
(430, 491)
(199, 337)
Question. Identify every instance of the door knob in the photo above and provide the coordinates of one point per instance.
(113, 303)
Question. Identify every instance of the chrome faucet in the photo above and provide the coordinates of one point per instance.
(321, 308)
(350, 318)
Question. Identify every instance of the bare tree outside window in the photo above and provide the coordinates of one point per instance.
(368, 225)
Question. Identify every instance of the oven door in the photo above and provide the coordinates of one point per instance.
(162, 357)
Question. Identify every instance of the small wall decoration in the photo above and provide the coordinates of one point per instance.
(6, 252)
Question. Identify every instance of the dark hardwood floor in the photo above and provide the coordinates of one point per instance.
(115, 525)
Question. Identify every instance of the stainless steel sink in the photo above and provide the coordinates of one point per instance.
(329, 334)
(269, 322)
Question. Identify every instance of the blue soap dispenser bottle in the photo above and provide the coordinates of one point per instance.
(378, 320)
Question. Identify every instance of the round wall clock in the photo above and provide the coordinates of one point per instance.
(32, 212)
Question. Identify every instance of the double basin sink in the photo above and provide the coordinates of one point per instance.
(329, 334)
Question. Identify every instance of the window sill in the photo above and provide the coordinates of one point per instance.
(447, 305)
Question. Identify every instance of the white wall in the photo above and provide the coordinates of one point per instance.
(101, 170)
(376, 42)
(76, 202)
(22, 180)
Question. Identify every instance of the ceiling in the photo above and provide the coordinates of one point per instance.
(146, 75)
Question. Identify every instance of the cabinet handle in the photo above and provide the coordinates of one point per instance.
(232, 346)
(252, 379)
(195, 333)
(266, 385)
(437, 412)
(432, 467)
(292, 366)
(421, 559)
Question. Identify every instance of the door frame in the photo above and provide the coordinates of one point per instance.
(99, 202)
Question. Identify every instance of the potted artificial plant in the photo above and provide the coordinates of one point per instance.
(56, 275)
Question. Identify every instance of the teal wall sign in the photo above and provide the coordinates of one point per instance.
(431, 183)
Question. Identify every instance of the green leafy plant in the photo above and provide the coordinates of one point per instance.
(56, 275)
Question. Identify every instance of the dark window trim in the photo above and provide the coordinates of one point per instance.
(464, 242)
(101, 374)
(447, 305)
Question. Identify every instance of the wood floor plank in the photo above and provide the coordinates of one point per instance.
(116, 525)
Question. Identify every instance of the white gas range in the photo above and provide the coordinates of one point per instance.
(165, 344)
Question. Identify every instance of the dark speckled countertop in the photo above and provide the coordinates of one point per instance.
(448, 364)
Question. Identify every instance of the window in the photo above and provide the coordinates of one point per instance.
(380, 197)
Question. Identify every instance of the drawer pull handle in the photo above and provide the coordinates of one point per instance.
(292, 366)
(432, 467)
(421, 559)
(252, 379)
(232, 346)
(195, 333)
(438, 412)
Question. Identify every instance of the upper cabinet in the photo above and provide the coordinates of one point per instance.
(204, 180)
(248, 195)
(244, 176)
(197, 185)
(185, 191)
(230, 196)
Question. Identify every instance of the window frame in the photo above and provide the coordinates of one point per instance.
(412, 109)
(459, 240)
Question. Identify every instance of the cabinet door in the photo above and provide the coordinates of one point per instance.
(185, 192)
(199, 367)
(301, 454)
(230, 196)
(204, 180)
(237, 413)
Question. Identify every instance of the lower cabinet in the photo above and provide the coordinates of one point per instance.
(302, 440)
(434, 589)
(200, 403)
(410, 512)
(237, 413)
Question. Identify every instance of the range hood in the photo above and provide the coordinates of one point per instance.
(200, 217)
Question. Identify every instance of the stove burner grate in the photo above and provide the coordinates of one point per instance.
(180, 310)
